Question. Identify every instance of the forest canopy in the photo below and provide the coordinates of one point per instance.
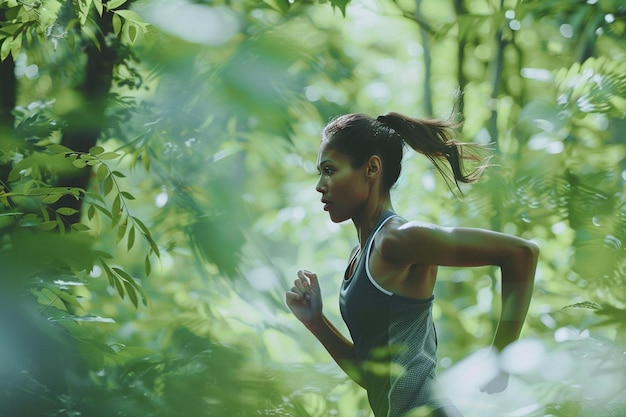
(157, 196)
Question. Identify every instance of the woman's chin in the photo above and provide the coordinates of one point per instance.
(335, 218)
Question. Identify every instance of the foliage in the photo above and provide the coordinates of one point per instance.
(195, 201)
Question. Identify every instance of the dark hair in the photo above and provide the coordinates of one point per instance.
(360, 136)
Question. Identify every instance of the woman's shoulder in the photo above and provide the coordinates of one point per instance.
(400, 228)
(400, 235)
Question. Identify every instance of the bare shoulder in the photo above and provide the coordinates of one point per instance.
(413, 242)
(400, 236)
(399, 231)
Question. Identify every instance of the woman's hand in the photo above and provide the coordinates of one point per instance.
(305, 299)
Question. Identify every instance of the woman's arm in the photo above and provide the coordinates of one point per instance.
(305, 301)
(418, 243)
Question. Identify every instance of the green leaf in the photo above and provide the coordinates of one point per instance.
(74, 191)
(130, 16)
(281, 6)
(16, 46)
(79, 163)
(119, 285)
(108, 155)
(80, 227)
(141, 225)
(50, 225)
(96, 150)
(132, 288)
(153, 245)
(121, 231)
(89, 33)
(110, 276)
(61, 224)
(103, 210)
(11, 214)
(116, 209)
(131, 238)
(88, 318)
(145, 159)
(127, 195)
(117, 24)
(68, 299)
(66, 211)
(341, 5)
(98, 5)
(14, 175)
(5, 49)
(95, 196)
(131, 293)
(108, 185)
(123, 274)
(59, 149)
(29, 220)
(51, 199)
(71, 40)
(102, 172)
(91, 211)
(118, 174)
(103, 254)
(131, 32)
(114, 4)
(147, 265)
(147, 235)
(584, 304)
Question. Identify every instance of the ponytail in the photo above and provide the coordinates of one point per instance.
(436, 140)
(360, 136)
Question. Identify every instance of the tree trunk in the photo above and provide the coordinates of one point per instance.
(460, 10)
(428, 96)
(496, 78)
(8, 97)
(85, 126)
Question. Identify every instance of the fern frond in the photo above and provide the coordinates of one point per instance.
(596, 86)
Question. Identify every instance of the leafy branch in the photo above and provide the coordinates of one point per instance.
(127, 225)
(37, 189)
(23, 19)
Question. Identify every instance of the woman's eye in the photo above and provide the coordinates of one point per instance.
(326, 171)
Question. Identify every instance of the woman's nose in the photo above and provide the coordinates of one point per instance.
(320, 187)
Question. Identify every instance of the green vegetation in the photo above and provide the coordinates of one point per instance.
(157, 172)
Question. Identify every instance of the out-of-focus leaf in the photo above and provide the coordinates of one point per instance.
(88, 318)
(596, 86)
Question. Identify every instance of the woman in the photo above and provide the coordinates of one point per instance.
(387, 291)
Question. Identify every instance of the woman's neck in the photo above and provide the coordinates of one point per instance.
(370, 215)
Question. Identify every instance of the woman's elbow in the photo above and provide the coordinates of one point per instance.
(527, 256)
(521, 255)
(532, 250)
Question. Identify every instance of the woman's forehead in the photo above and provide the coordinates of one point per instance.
(328, 154)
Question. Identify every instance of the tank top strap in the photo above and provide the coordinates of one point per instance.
(381, 222)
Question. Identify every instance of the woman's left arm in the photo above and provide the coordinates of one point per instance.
(419, 243)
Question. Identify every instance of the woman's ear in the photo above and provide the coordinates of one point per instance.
(374, 167)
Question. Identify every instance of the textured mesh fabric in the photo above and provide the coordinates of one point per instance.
(394, 339)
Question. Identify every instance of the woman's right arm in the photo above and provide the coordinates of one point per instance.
(305, 302)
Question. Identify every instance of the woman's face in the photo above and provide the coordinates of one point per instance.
(344, 189)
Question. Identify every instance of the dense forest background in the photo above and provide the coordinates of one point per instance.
(157, 173)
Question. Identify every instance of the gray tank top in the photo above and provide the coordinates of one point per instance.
(394, 338)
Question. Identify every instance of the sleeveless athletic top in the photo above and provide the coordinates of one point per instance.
(394, 339)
